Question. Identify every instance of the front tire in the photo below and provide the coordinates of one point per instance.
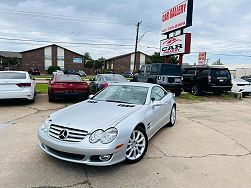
(137, 146)
(172, 119)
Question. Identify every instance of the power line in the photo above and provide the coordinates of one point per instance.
(62, 42)
(46, 15)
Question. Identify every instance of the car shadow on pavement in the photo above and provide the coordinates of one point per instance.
(14, 102)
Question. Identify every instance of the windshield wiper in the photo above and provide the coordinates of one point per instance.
(118, 101)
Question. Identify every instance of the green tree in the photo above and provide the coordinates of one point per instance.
(173, 59)
(52, 69)
(87, 56)
(11, 61)
(89, 64)
(98, 64)
(156, 58)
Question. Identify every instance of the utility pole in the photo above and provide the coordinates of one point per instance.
(136, 46)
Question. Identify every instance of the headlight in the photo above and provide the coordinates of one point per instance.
(45, 125)
(104, 137)
(177, 79)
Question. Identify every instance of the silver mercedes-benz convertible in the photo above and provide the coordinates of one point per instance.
(112, 126)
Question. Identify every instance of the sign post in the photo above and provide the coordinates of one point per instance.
(176, 19)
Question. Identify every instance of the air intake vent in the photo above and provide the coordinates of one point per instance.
(126, 105)
(92, 102)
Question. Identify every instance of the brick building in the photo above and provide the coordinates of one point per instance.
(125, 63)
(51, 55)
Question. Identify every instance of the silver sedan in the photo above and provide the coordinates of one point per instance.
(113, 126)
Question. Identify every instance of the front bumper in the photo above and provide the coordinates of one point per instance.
(72, 152)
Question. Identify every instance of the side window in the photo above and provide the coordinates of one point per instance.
(190, 71)
(142, 69)
(204, 72)
(158, 93)
(102, 79)
(98, 79)
(148, 69)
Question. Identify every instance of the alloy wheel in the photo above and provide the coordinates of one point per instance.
(136, 145)
(173, 116)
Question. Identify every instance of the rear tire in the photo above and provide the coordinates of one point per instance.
(137, 146)
(172, 119)
(33, 99)
(51, 99)
(217, 92)
(195, 90)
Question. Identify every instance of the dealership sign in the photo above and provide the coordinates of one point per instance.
(176, 45)
(202, 58)
(178, 17)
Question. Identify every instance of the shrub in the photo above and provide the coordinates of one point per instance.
(52, 69)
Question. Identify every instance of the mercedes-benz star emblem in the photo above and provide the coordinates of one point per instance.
(63, 134)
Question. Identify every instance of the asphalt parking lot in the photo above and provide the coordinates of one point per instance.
(210, 146)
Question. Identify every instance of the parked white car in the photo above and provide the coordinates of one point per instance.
(241, 86)
(17, 85)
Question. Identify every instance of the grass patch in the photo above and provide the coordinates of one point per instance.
(88, 77)
(190, 97)
(228, 96)
(42, 88)
(42, 76)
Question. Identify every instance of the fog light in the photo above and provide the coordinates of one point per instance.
(104, 157)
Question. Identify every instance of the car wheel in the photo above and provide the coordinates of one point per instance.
(137, 146)
(172, 118)
(51, 99)
(196, 90)
(92, 88)
(217, 92)
(178, 92)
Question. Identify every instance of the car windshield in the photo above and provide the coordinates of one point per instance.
(123, 94)
(115, 78)
(68, 78)
(220, 73)
(12, 75)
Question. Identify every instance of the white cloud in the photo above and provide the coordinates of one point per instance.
(218, 26)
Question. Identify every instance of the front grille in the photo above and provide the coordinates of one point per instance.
(65, 154)
(74, 135)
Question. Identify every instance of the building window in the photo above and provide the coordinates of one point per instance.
(60, 58)
(47, 57)
(132, 66)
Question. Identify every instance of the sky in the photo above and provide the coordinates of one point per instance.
(108, 28)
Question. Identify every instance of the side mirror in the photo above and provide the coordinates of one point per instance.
(91, 96)
(157, 103)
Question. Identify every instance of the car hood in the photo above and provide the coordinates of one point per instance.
(90, 116)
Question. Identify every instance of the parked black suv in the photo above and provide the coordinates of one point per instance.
(167, 75)
(197, 79)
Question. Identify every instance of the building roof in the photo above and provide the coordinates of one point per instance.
(48, 46)
(119, 56)
(7, 54)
